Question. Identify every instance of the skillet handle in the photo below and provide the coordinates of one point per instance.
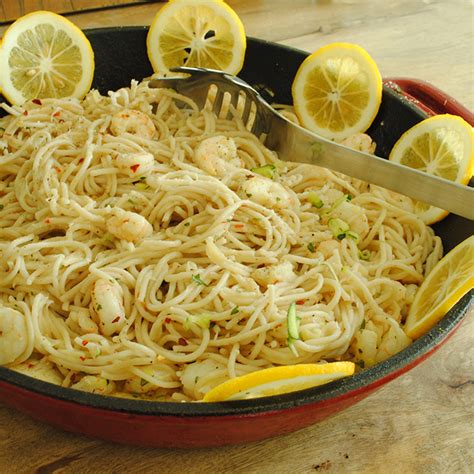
(429, 98)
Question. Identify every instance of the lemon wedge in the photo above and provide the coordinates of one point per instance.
(278, 380)
(450, 279)
(45, 55)
(196, 33)
(337, 91)
(442, 145)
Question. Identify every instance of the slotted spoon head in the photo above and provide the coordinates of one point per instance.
(294, 143)
(228, 95)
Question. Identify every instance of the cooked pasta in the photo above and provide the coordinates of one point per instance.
(150, 249)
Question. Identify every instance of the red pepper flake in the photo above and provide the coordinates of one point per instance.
(25, 112)
(167, 320)
(58, 169)
(116, 320)
(47, 220)
(85, 342)
(300, 302)
(279, 325)
(81, 160)
(61, 121)
(37, 102)
(82, 358)
(238, 226)
(57, 114)
(30, 365)
(134, 168)
(182, 341)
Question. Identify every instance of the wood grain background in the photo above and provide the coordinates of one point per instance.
(12, 9)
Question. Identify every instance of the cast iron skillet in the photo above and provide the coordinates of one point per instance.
(120, 57)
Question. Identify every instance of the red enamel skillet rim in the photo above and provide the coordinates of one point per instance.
(347, 387)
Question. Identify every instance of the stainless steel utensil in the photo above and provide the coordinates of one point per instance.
(294, 143)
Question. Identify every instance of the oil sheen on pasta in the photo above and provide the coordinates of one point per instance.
(147, 250)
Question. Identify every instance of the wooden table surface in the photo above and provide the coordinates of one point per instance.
(423, 422)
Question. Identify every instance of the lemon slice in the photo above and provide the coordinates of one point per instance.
(450, 279)
(337, 91)
(196, 33)
(278, 380)
(441, 145)
(45, 55)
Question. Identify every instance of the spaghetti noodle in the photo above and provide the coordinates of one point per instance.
(150, 249)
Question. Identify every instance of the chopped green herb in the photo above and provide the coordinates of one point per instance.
(338, 227)
(143, 178)
(364, 254)
(349, 197)
(353, 235)
(235, 310)
(131, 201)
(142, 185)
(1, 207)
(278, 199)
(317, 149)
(315, 200)
(267, 171)
(362, 324)
(311, 247)
(143, 382)
(249, 195)
(187, 224)
(198, 280)
(293, 322)
(98, 307)
(202, 320)
(360, 363)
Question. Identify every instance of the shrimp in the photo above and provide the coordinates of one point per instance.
(107, 303)
(13, 335)
(360, 142)
(217, 155)
(80, 321)
(41, 369)
(354, 216)
(129, 226)
(266, 192)
(364, 346)
(135, 164)
(212, 371)
(283, 272)
(132, 121)
(393, 341)
(94, 384)
(349, 212)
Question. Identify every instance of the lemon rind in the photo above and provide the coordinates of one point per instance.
(27, 22)
(415, 326)
(433, 215)
(338, 49)
(231, 387)
(169, 9)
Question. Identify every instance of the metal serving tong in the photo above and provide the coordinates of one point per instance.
(294, 143)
